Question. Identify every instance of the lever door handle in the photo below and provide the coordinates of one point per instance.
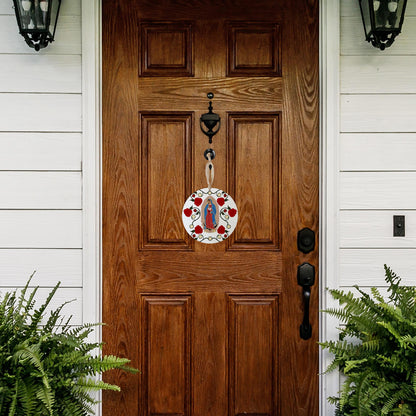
(305, 328)
(306, 279)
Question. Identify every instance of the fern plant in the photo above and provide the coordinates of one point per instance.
(47, 367)
(376, 350)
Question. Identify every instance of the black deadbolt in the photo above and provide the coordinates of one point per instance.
(306, 274)
(306, 240)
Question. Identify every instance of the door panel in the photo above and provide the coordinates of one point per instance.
(166, 162)
(213, 328)
(253, 365)
(254, 179)
(166, 361)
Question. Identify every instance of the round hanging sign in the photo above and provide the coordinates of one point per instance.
(209, 215)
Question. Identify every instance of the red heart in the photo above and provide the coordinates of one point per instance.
(221, 229)
(232, 212)
(198, 229)
(198, 201)
(220, 201)
(187, 212)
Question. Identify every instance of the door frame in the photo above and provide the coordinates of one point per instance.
(329, 37)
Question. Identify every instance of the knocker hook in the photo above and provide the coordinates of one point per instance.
(210, 120)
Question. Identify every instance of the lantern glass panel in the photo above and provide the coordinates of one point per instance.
(365, 11)
(388, 14)
(38, 16)
(54, 15)
(34, 14)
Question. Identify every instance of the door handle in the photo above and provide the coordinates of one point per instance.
(306, 279)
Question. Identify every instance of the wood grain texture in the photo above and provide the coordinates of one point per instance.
(377, 152)
(209, 274)
(40, 229)
(166, 49)
(253, 385)
(253, 49)
(215, 9)
(166, 354)
(120, 198)
(166, 161)
(264, 94)
(254, 167)
(50, 265)
(300, 200)
(247, 271)
(374, 229)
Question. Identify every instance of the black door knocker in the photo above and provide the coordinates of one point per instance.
(210, 120)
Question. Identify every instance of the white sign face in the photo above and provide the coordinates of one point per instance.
(209, 215)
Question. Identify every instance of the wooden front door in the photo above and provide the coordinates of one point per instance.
(214, 329)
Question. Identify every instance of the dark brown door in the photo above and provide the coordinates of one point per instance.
(214, 329)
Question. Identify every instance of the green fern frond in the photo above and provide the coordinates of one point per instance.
(403, 409)
(89, 385)
(372, 345)
(353, 364)
(379, 363)
(45, 370)
(377, 295)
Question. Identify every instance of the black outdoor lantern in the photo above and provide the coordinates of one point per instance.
(37, 21)
(382, 20)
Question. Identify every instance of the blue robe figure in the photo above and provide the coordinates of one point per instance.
(210, 212)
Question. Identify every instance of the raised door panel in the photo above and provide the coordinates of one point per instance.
(166, 161)
(166, 352)
(253, 49)
(166, 49)
(253, 355)
(254, 179)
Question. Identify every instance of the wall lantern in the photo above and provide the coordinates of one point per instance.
(37, 21)
(382, 20)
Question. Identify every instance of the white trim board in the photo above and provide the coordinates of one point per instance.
(329, 178)
(91, 166)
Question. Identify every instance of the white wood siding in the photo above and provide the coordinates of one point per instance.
(40, 160)
(40, 151)
(377, 147)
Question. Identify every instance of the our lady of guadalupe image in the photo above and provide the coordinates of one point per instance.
(209, 215)
(210, 220)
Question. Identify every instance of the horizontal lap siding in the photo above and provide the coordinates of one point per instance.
(378, 151)
(31, 151)
(40, 160)
(377, 163)
(357, 265)
(17, 78)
